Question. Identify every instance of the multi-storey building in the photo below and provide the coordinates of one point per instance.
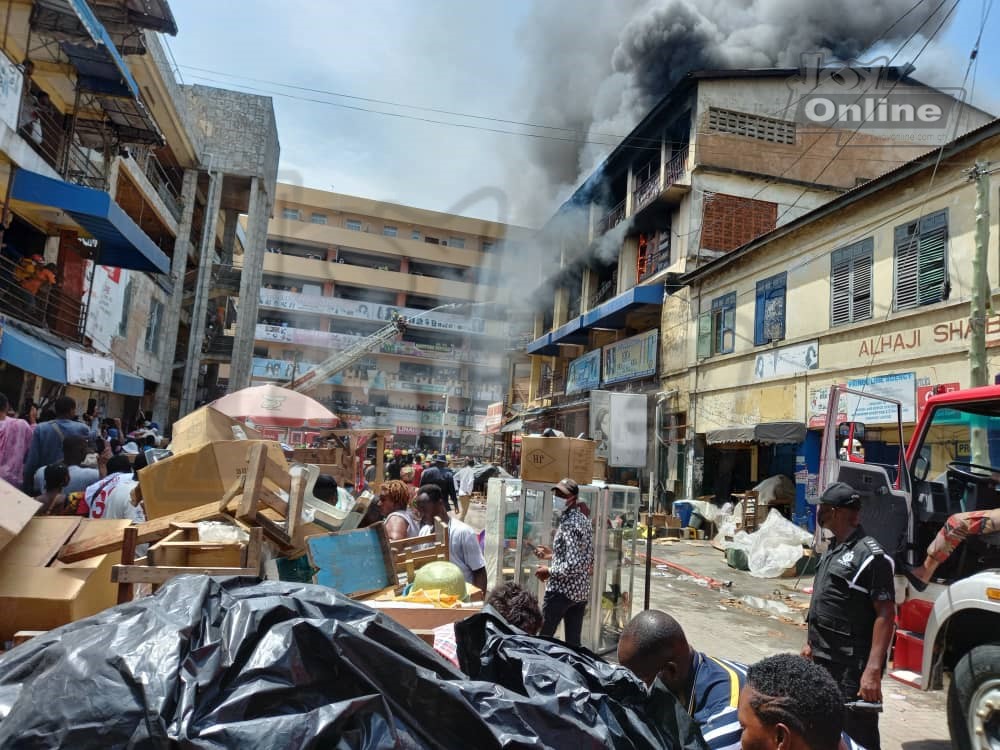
(129, 184)
(339, 267)
(725, 157)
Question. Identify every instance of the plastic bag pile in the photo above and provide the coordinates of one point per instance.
(222, 663)
(774, 547)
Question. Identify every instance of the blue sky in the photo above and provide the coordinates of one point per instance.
(465, 57)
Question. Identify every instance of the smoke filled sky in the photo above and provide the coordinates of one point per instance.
(590, 67)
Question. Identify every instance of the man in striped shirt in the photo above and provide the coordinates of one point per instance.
(653, 646)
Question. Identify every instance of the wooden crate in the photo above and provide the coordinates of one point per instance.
(356, 563)
(183, 547)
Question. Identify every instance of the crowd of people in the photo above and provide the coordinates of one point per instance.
(72, 464)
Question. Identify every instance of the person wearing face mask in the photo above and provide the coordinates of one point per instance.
(850, 620)
(567, 577)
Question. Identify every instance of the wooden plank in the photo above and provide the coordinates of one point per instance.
(235, 489)
(256, 465)
(160, 575)
(196, 554)
(126, 591)
(150, 531)
(252, 552)
(40, 541)
(296, 498)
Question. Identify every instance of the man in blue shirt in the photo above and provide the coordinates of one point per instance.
(653, 646)
(47, 443)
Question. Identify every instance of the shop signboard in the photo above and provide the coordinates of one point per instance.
(627, 446)
(600, 421)
(924, 392)
(347, 308)
(494, 418)
(584, 373)
(631, 358)
(786, 360)
(901, 386)
(90, 370)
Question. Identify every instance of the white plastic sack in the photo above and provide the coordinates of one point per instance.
(775, 546)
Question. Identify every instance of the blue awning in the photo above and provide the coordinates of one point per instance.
(612, 313)
(103, 65)
(24, 351)
(543, 346)
(121, 243)
(571, 333)
(129, 385)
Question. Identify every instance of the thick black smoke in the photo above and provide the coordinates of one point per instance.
(597, 66)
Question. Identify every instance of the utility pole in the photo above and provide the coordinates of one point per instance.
(979, 374)
(980, 302)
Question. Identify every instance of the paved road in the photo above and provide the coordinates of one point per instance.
(723, 624)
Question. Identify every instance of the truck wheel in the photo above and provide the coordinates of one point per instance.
(974, 700)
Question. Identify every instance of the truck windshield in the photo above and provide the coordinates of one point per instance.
(964, 433)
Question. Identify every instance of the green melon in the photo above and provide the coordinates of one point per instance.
(442, 575)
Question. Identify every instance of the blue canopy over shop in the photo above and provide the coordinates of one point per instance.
(121, 243)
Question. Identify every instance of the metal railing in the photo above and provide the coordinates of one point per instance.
(28, 293)
(47, 131)
(676, 167)
(655, 262)
(611, 219)
(646, 192)
(157, 175)
(604, 292)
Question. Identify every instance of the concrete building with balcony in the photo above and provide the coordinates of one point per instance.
(339, 267)
(124, 182)
(726, 156)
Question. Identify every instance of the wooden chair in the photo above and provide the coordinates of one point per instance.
(409, 555)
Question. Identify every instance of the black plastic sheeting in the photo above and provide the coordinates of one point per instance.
(222, 663)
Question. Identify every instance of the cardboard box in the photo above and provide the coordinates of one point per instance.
(199, 476)
(549, 459)
(318, 455)
(43, 597)
(207, 425)
(16, 510)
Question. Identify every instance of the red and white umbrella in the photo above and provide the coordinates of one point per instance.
(272, 406)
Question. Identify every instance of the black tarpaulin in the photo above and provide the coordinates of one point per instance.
(224, 663)
(768, 433)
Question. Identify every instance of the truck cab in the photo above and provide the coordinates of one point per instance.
(948, 634)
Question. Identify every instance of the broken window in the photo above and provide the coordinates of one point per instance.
(769, 318)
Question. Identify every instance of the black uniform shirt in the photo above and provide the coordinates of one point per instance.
(850, 577)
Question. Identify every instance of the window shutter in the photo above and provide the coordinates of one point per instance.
(705, 335)
(840, 290)
(729, 328)
(758, 317)
(931, 264)
(907, 269)
(861, 283)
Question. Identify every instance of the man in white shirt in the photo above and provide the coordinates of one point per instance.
(464, 479)
(115, 496)
(463, 541)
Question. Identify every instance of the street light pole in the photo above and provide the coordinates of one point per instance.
(444, 419)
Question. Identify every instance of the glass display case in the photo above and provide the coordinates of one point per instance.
(520, 517)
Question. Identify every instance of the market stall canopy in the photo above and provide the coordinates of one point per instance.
(768, 433)
(271, 406)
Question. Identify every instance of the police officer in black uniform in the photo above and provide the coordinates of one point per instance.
(852, 610)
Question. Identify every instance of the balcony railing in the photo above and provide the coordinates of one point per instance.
(611, 219)
(646, 192)
(27, 293)
(604, 292)
(157, 175)
(47, 131)
(676, 167)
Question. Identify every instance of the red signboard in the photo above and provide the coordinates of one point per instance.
(926, 391)
(494, 418)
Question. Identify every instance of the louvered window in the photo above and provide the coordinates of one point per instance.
(851, 283)
(921, 274)
(769, 317)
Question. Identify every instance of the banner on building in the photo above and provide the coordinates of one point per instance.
(11, 84)
(600, 421)
(631, 359)
(347, 308)
(494, 418)
(924, 392)
(584, 373)
(901, 386)
(90, 370)
(106, 312)
(786, 360)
